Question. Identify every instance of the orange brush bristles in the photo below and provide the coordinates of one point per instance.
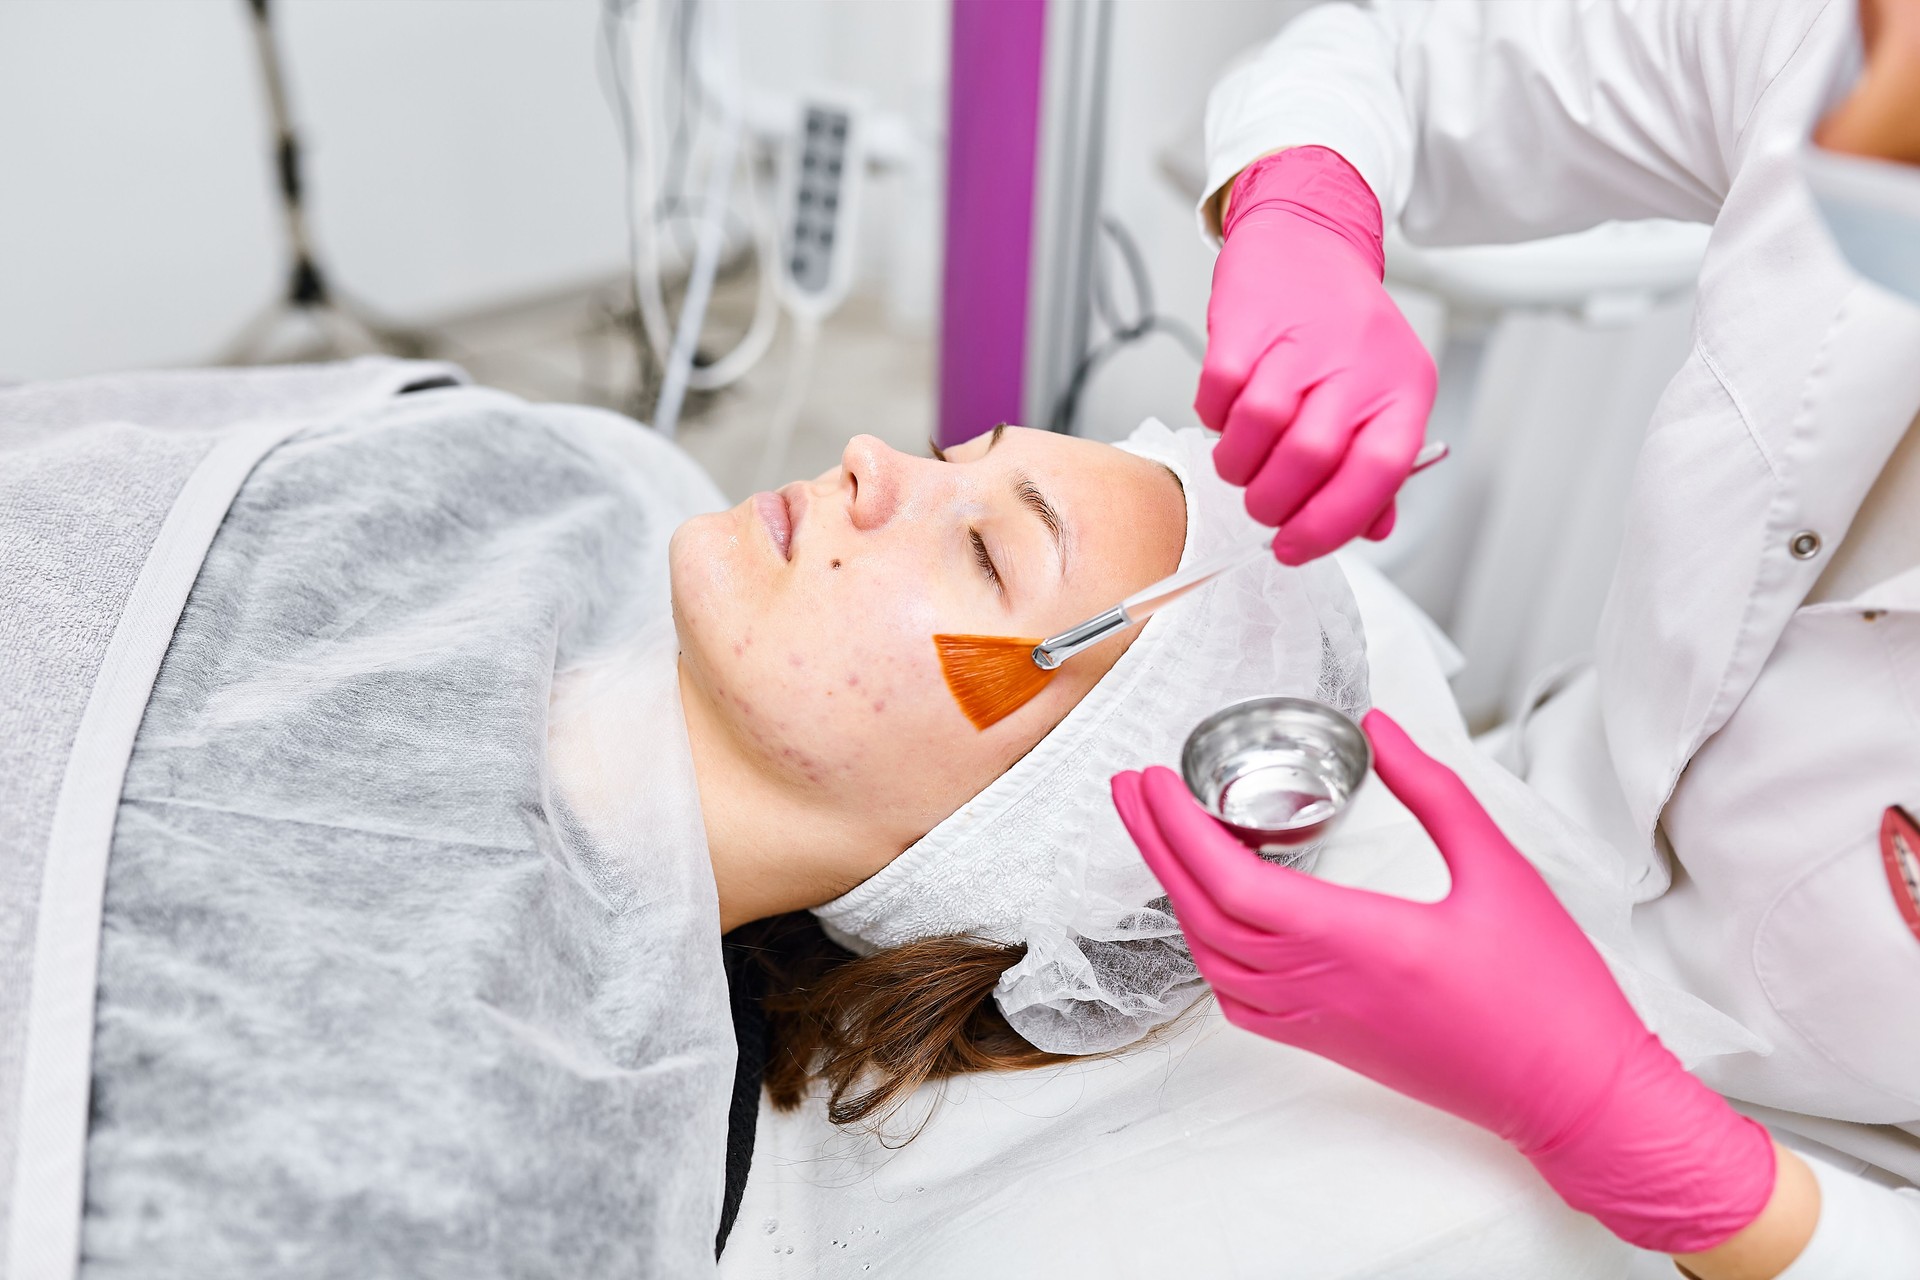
(991, 677)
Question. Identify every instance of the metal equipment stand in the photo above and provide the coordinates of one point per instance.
(338, 328)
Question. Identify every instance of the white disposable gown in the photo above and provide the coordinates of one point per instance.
(1752, 707)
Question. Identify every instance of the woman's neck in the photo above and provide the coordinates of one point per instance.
(774, 850)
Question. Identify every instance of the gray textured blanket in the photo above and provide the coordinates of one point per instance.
(110, 489)
(368, 1004)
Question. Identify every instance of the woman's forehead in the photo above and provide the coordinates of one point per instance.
(1073, 457)
(1128, 514)
(1116, 504)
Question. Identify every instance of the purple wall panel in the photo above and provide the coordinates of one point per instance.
(993, 127)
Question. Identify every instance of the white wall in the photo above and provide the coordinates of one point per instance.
(1166, 56)
(457, 155)
(894, 54)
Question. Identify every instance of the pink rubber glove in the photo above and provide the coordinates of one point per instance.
(1314, 376)
(1490, 1004)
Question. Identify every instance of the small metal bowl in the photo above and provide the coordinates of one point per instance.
(1278, 773)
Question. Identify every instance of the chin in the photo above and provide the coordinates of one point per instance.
(708, 590)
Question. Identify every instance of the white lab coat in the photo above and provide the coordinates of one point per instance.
(1727, 726)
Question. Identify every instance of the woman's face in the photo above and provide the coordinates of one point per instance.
(806, 618)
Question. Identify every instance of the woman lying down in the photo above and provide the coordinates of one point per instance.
(482, 725)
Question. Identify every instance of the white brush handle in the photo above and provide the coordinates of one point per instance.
(1141, 605)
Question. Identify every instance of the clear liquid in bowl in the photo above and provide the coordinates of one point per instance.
(1273, 789)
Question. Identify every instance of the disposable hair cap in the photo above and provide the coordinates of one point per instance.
(1040, 856)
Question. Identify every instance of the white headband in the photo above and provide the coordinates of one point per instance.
(1041, 857)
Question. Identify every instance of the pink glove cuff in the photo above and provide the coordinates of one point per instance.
(1665, 1163)
(1316, 184)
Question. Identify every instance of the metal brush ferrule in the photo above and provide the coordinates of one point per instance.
(1054, 650)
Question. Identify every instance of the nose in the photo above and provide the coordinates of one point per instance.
(875, 477)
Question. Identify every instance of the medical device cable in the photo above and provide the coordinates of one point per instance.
(624, 68)
(615, 49)
(673, 208)
(1123, 332)
(706, 258)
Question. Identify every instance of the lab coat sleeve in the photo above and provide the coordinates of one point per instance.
(1479, 123)
(1327, 80)
(1866, 1231)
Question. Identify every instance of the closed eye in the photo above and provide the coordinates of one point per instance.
(984, 560)
(981, 556)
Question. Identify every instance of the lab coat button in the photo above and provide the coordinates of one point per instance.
(1805, 545)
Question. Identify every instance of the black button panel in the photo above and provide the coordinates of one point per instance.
(823, 149)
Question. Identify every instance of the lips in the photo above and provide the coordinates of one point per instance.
(778, 517)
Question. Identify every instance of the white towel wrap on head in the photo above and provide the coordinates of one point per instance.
(1040, 856)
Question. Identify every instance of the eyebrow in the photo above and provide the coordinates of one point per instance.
(933, 446)
(1033, 500)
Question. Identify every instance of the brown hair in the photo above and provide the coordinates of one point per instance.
(877, 1027)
